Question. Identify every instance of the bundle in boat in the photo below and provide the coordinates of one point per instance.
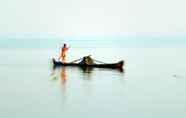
(87, 61)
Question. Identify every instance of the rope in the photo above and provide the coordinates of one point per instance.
(98, 61)
(76, 60)
(92, 59)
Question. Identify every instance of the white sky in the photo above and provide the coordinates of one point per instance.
(95, 17)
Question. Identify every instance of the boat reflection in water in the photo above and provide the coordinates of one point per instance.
(90, 69)
(77, 81)
(85, 71)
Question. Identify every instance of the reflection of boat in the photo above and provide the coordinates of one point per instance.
(118, 65)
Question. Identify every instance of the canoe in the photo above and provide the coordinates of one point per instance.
(118, 65)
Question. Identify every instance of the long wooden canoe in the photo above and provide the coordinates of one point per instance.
(118, 65)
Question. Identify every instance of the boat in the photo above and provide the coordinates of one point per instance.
(118, 65)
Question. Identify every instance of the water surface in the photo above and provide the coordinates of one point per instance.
(152, 84)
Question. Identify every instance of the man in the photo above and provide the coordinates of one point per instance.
(63, 53)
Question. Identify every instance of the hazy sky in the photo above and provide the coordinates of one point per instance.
(95, 17)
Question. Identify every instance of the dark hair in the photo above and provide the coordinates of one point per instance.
(64, 45)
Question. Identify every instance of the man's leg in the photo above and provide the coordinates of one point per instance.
(63, 59)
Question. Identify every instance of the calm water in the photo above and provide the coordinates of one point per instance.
(152, 85)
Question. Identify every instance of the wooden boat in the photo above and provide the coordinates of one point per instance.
(118, 65)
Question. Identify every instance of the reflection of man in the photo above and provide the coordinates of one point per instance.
(63, 79)
(63, 75)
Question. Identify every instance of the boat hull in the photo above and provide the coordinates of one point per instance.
(118, 65)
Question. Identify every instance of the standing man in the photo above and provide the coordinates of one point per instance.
(63, 53)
